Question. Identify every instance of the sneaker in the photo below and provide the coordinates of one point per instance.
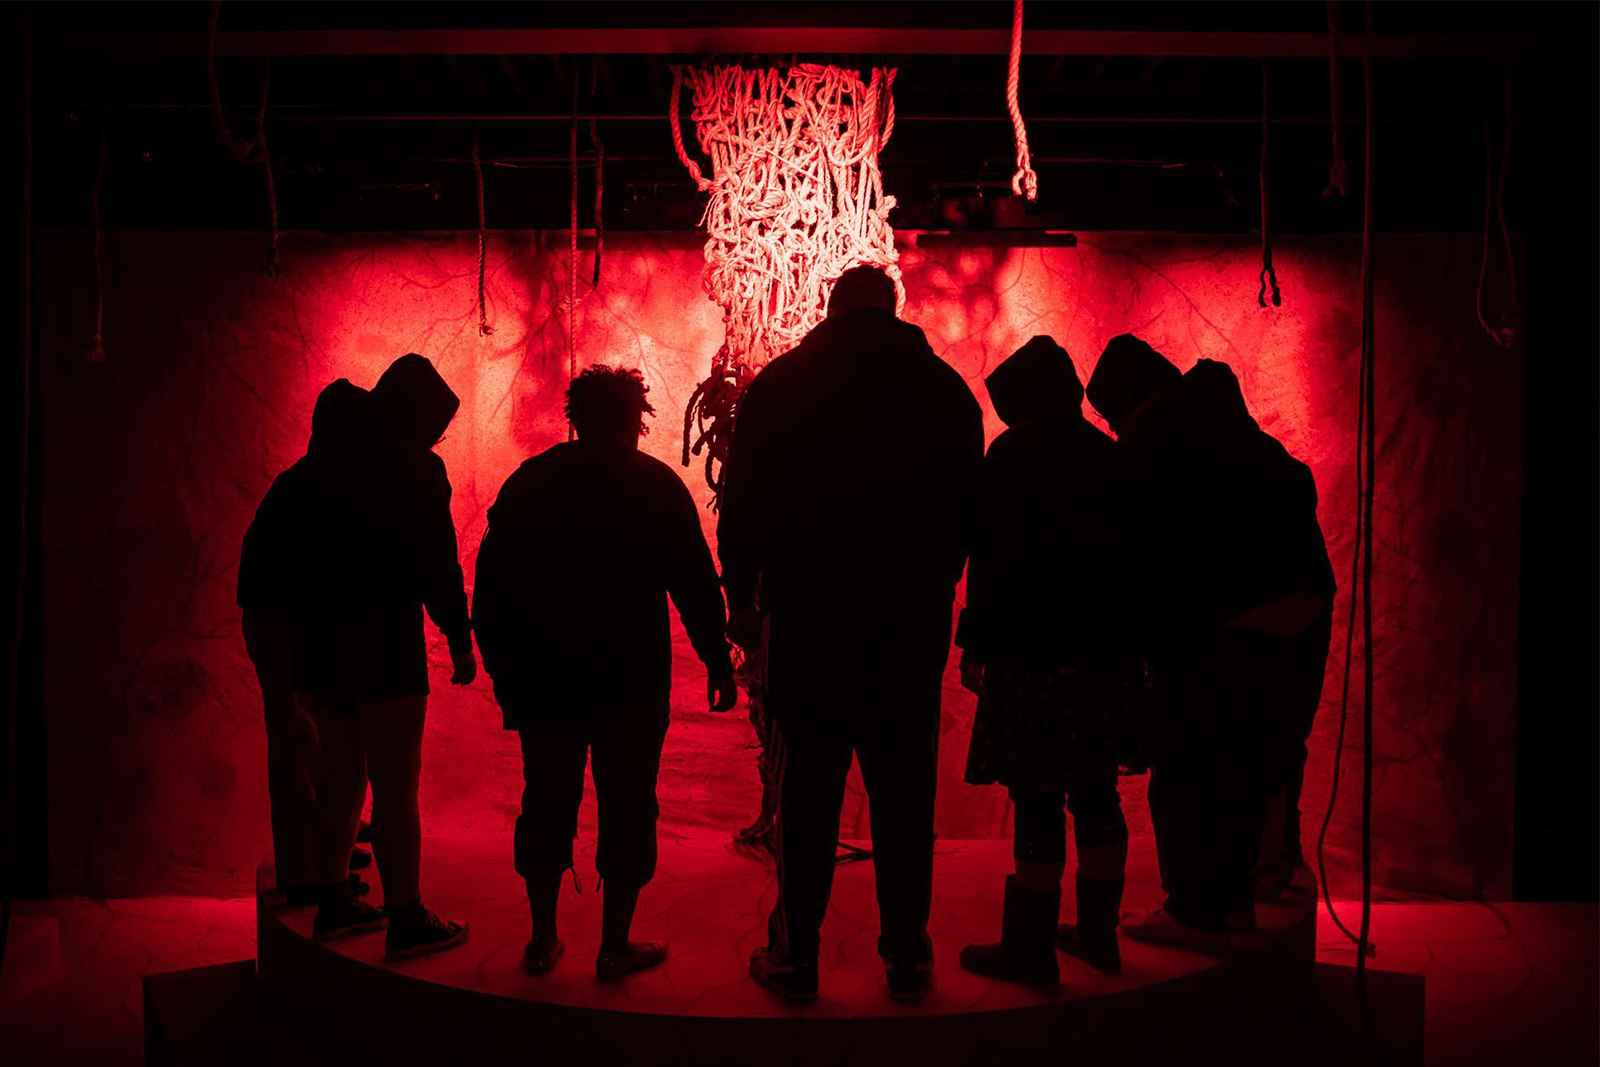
(792, 981)
(635, 956)
(420, 931)
(1160, 928)
(346, 917)
(908, 980)
(541, 959)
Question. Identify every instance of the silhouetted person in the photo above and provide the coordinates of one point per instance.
(386, 549)
(585, 543)
(1049, 647)
(271, 573)
(851, 458)
(1220, 509)
(1296, 687)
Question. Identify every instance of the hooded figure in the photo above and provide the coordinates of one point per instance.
(1227, 521)
(390, 548)
(274, 581)
(1047, 645)
(1130, 373)
(385, 550)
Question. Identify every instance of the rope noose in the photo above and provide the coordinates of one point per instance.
(1024, 180)
(484, 329)
(599, 196)
(1269, 273)
(572, 247)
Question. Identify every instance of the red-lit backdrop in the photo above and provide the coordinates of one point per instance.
(155, 460)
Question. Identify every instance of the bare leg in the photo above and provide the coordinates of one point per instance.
(391, 732)
(340, 788)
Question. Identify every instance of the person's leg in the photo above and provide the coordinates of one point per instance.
(1256, 661)
(270, 644)
(811, 765)
(1192, 758)
(1101, 834)
(391, 731)
(552, 790)
(627, 756)
(899, 768)
(340, 786)
(1308, 666)
(340, 789)
(1026, 950)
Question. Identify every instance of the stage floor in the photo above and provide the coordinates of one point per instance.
(710, 901)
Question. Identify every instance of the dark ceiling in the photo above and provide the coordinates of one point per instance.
(369, 135)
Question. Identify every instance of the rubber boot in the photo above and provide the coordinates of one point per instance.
(1093, 938)
(1024, 954)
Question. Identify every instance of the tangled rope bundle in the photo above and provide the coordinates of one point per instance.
(796, 200)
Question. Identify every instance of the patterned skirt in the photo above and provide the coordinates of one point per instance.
(1043, 729)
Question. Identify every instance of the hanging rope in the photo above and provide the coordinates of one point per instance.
(97, 348)
(1269, 273)
(1339, 169)
(796, 200)
(252, 151)
(1024, 180)
(1367, 440)
(700, 181)
(1494, 205)
(572, 248)
(599, 197)
(484, 329)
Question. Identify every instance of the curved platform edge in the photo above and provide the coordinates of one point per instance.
(1247, 1008)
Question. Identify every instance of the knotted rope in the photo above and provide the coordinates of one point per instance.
(796, 200)
(1024, 180)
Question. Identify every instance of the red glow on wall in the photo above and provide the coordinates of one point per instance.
(157, 458)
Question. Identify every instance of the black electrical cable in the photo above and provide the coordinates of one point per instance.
(20, 560)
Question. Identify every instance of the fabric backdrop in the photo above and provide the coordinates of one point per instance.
(155, 460)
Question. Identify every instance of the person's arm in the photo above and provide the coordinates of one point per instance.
(443, 585)
(692, 584)
(265, 568)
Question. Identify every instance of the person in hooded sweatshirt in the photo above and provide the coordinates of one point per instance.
(843, 522)
(1295, 690)
(1049, 647)
(1220, 511)
(586, 542)
(386, 551)
(271, 584)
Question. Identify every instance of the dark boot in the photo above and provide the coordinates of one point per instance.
(1093, 938)
(1025, 953)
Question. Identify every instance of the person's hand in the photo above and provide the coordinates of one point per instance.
(744, 628)
(972, 675)
(721, 694)
(464, 667)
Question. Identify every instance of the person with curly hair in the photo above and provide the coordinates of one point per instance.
(586, 542)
